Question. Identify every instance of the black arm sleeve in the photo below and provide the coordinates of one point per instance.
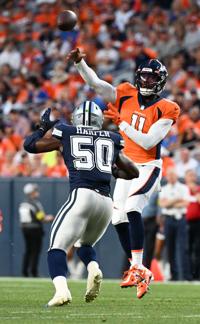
(30, 141)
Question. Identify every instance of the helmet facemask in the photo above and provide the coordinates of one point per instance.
(148, 83)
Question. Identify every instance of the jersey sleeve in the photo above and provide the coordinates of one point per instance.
(119, 141)
(59, 131)
(171, 111)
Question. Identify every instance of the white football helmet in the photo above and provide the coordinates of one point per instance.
(88, 114)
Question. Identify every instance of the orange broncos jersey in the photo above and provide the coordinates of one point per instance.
(141, 118)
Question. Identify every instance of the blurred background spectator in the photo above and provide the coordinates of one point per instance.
(174, 199)
(32, 217)
(193, 220)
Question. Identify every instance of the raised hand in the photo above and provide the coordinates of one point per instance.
(113, 114)
(45, 122)
(75, 56)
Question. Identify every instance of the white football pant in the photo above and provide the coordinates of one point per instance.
(133, 195)
(84, 218)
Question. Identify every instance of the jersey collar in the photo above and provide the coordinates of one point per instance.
(148, 104)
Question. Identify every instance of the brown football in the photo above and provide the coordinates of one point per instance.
(66, 20)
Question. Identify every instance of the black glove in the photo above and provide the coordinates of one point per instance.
(45, 122)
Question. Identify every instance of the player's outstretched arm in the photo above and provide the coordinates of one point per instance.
(35, 143)
(156, 133)
(103, 88)
(125, 168)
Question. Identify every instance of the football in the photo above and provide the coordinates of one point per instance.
(66, 20)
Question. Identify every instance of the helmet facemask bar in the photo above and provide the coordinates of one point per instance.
(148, 82)
(96, 122)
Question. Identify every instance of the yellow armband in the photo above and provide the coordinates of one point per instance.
(40, 215)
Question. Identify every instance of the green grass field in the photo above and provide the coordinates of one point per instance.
(23, 301)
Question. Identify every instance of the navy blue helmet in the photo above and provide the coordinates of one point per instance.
(151, 77)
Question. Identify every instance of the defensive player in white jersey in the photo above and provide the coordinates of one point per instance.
(91, 156)
(144, 119)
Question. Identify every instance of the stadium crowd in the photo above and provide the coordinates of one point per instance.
(116, 35)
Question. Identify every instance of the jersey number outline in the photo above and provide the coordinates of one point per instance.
(139, 120)
(87, 160)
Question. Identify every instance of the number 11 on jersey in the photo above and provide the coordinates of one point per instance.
(138, 122)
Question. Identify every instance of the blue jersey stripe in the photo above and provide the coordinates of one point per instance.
(149, 184)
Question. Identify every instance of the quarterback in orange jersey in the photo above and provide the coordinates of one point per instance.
(144, 119)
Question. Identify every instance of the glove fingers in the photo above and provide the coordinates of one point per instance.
(109, 115)
(48, 111)
(109, 112)
(46, 114)
(111, 107)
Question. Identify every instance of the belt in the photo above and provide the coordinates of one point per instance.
(103, 193)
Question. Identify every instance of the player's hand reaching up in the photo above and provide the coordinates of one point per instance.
(45, 122)
(113, 114)
(75, 55)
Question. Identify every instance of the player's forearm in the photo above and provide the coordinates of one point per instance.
(166, 203)
(126, 174)
(170, 203)
(146, 141)
(103, 88)
(156, 133)
(125, 168)
(181, 204)
(35, 143)
(31, 140)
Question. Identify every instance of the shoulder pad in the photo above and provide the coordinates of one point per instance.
(59, 130)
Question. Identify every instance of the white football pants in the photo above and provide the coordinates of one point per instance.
(84, 218)
(133, 195)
